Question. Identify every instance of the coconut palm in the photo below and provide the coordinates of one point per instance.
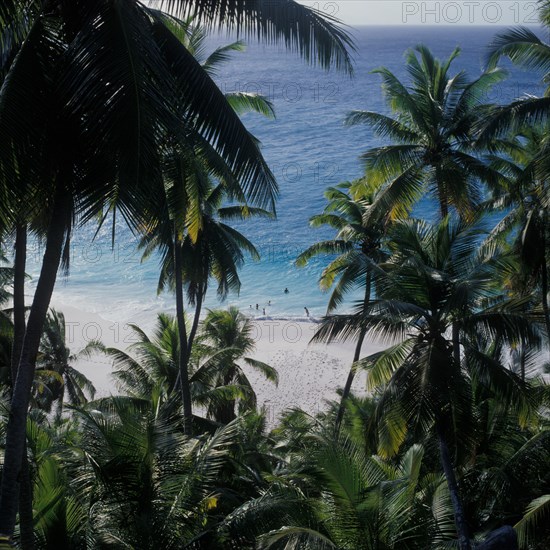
(357, 244)
(150, 362)
(225, 340)
(523, 227)
(525, 49)
(147, 484)
(191, 253)
(189, 260)
(59, 512)
(435, 292)
(150, 365)
(431, 134)
(81, 107)
(509, 468)
(54, 363)
(340, 497)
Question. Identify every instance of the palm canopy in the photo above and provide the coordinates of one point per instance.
(431, 134)
(215, 251)
(436, 296)
(351, 212)
(524, 197)
(194, 245)
(120, 119)
(435, 279)
(315, 35)
(146, 483)
(55, 366)
(354, 212)
(93, 92)
(150, 365)
(332, 494)
(525, 49)
(224, 343)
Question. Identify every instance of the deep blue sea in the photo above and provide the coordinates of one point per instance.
(308, 149)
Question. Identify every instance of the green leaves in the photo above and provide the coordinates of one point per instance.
(522, 46)
(432, 136)
(536, 513)
(316, 36)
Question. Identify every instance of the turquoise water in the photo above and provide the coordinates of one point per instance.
(307, 148)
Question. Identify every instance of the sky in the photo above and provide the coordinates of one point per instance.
(421, 12)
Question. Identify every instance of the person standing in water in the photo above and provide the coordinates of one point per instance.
(307, 311)
(286, 290)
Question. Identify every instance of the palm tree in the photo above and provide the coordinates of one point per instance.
(182, 229)
(59, 512)
(225, 339)
(81, 107)
(523, 228)
(432, 147)
(526, 50)
(54, 362)
(150, 365)
(146, 483)
(334, 495)
(190, 259)
(351, 210)
(523, 47)
(510, 464)
(435, 292)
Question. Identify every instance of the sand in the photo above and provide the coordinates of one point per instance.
(309, 374)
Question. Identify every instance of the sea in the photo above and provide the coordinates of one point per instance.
(308, 149)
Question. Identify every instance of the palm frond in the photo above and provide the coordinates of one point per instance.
(316, 36)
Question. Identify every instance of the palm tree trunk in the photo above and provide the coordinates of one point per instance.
(446, 463)
(26, 518)
(456, 342)
(441, 195)
(19, 266)
(225, 412)
(26, 515)
(195, 325)
(15, 432)
(180, 315)
(356, 355)
(544, 290)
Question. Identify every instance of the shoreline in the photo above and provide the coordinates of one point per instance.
(309, 374)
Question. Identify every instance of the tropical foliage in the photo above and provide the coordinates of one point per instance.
(108, 109)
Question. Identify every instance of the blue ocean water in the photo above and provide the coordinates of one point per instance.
(308, 149)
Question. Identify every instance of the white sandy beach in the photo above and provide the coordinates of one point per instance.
(309, 374)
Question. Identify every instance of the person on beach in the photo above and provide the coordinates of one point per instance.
(264, 311)
(307, 311)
